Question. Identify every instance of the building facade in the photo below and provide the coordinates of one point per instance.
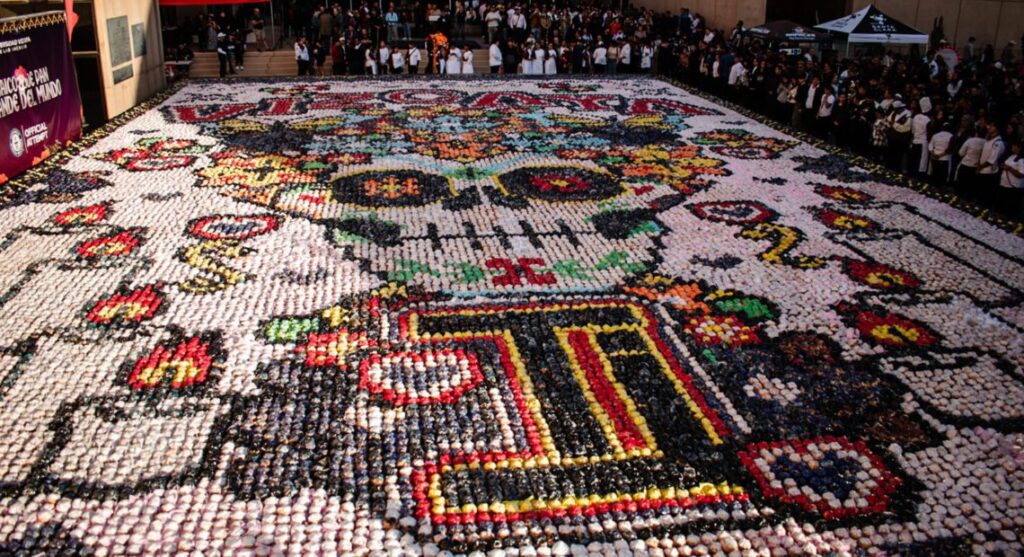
(118, 50)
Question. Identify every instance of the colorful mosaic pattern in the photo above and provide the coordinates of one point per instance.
(508, 317)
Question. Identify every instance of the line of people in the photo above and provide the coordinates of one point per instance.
(956, 121)
(533, 58)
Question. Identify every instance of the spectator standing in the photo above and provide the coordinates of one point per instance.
(625, 58)
(918, 165)
(953, 87)
(460, 22)
(809, 99)
(880, 135)
(537, 59)
(967, 171)
(391, 20)
(467, 60)
(578, 57)
(792, 114)
(1011, 182)
(384, 55)
(370, 60)
(339, 57)
(357, 58)
(781, 100)
(493, 21)
(736, 74)
(685, 22)
(646, 58)
(326, 26)
(1007, 56)
(823, 119)
(408, 23)
(238, 45)
(434, 18)
(222, 54)
(494, 57)
(319, 56)
(302, 56)
(600, 58)
(257, 24)
(988, 169)
(398, 61)
(940, 151)
(414, 59)
(535, 25)
(525, 53)
(899, 135)
(454, 66)
(212, 35)
(441, 59)
(517, 22)
(510, 57)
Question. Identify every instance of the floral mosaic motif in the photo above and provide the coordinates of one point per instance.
(828, 476)
(154, 153)
(757, 222)
(221, 239)
(390, 188)
(833, 167)
(221, 227)
(533, 317)
(447, 375)
(59, 186)
(126, 307)
(559, 184)
(741, 144)
(178, 365)
(82, 216)
(109, 247)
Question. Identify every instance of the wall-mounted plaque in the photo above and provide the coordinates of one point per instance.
(139, 39)
(119, 39)
(123, 73)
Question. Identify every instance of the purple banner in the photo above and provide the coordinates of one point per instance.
(40, 109)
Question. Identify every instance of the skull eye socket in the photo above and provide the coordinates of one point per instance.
(559, 183)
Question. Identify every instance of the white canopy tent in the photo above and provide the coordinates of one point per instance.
(870, 26)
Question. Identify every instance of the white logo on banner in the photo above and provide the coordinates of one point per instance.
(16, 141)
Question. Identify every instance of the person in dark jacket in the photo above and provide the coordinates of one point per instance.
(339, 57)
(510, 57)
(238, 42)
(222, 53)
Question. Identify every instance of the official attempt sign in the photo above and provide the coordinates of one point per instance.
(40, 107)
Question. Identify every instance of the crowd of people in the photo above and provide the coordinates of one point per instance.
(958, 127)
(518, 38)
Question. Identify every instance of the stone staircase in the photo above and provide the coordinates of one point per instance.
(257, 64)
(281, 62)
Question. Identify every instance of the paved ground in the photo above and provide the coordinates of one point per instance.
(545, 316)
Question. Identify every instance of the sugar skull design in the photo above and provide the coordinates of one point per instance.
(454, 191)
(410, 317)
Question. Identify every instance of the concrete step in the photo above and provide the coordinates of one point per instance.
(257, 64)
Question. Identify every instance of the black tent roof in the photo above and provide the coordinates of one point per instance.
(789, 31)
(870, 25)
